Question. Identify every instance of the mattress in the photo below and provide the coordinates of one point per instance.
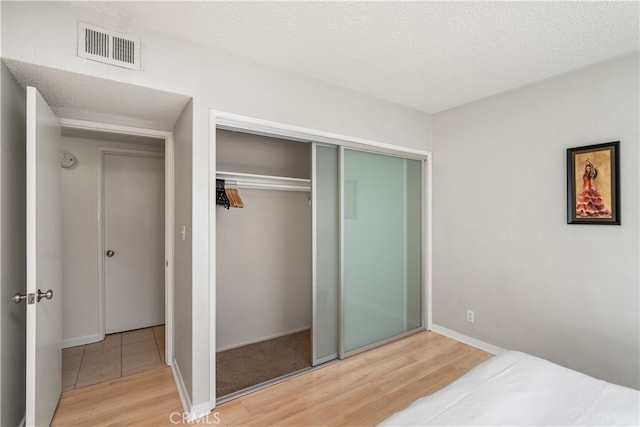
(518, 389)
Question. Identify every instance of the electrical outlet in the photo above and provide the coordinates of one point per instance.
(471, 316)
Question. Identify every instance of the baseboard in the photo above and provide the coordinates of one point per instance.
(191, 413)
(268, 337)
(73, 342)
(200, 411)
(489, 348)
(182, 389)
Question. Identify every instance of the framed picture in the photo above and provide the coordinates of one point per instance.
(593, 184)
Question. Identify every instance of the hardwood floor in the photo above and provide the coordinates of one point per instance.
(361, 390)
(147, 398)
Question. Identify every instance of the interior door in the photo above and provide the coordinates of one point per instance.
(44, 228)
(133, 240)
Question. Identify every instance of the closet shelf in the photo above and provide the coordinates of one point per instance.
(265, 182)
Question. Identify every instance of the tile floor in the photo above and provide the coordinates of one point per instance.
(118, 355)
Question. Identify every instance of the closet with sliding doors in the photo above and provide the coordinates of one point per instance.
(319, 254)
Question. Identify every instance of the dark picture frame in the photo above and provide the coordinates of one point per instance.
(593, 184)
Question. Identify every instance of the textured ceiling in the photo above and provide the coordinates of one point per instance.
(427, 55)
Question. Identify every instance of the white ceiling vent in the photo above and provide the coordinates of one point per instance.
(106, 46)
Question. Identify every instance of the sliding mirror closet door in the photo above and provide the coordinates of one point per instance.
(326, 252)
(382, 248)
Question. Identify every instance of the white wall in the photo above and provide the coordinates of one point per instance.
(12, 248)
(262, 155)
(502, 247)
(80, 251)
(45, 33)
(263, 267)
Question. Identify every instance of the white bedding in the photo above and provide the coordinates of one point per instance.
(514, 388)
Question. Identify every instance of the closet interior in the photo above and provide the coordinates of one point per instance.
(319, 254)
(263, 263)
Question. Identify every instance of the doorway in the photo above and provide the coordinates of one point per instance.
(114, 204)
(105, 110)
(263, 258)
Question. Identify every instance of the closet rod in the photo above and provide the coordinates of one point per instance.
(265, 182)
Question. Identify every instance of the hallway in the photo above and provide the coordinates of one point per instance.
(118, 355)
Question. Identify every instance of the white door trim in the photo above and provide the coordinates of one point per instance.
(232, 121)
(427, 242)
(169, 217)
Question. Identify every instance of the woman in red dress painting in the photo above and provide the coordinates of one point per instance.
(589, 201)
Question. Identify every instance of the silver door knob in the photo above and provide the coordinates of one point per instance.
(17, 298)
(47, 295)
(110, 253)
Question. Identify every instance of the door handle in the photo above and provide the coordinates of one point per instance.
(47, 295)
(110, 253)
(18, 298)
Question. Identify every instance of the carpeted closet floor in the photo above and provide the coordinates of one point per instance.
(252, 364)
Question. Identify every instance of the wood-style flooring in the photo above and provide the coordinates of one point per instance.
(359, 391)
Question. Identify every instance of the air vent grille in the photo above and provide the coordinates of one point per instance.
(96, 43)
(109, 47)
(124, 50)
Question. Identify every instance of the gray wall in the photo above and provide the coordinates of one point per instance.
(12, 249)
(501, 244)
(182, 290)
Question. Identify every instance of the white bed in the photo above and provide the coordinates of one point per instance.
(514, 389)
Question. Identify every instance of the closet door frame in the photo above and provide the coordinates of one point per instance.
(315, 359)
(237, 122)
